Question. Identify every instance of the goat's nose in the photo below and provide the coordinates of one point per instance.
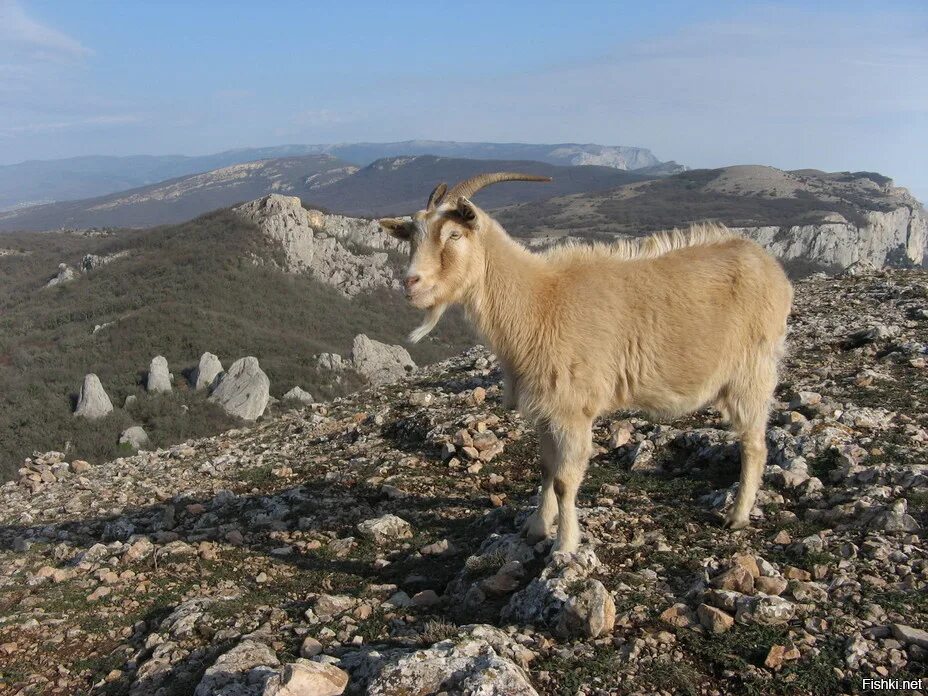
(411, 281)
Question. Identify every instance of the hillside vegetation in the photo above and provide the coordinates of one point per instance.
(182, 290)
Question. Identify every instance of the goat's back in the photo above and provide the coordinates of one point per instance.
(665, 333)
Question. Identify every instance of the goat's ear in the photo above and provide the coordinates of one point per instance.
(401, 229)
(468, 211)
(435, 197)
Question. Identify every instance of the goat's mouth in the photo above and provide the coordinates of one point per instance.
(420, 298)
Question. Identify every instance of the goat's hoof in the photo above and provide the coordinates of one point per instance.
(734, 523)
(534, 531)
(560, 546)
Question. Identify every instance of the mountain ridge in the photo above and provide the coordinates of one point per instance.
(43, 181)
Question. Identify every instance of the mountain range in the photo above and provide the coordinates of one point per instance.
(36, 182)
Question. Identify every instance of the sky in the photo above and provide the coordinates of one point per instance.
(826, 85)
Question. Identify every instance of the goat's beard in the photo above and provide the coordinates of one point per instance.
(431, 320)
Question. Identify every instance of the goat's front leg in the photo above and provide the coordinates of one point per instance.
(510, 388)
(573, 448)
(540, 523)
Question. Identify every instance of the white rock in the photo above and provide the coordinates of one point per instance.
(244, 389)
(65, 273)
(92, 402)
(308, 679)
(208, 370)
(237, 667)
(159, 378)
(385, 530)
(134, 436)
(378, 362)
(299, 394)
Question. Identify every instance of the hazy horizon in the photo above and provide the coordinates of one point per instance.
(838, 87)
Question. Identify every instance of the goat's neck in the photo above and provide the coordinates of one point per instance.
(503, 305)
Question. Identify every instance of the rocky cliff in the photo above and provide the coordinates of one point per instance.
(897, 238)
(321, 245)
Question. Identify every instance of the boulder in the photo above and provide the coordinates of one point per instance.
(208, 370)
(159, 378)
(378, 362)
(92, 402)
(248, 662)
(64, 274)
(385, 530)
(330, 361)
(565, 598)
(135, 436)
(481, 660)
(244, 390)
(307, 679)
(298, 394)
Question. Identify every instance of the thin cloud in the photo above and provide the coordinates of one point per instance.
(57, 126)
(26, 39)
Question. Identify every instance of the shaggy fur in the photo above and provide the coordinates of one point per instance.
(666, 324)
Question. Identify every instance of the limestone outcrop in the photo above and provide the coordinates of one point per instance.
(318, 244)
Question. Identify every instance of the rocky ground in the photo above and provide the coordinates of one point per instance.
(370, 545)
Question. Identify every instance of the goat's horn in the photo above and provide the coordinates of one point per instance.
(469, 187)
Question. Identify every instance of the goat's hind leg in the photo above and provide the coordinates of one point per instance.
(753, 459)
(540, 523)
(748, 406)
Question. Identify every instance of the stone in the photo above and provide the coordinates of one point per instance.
(778, 654)
(65, 274)
(159, 378)
(910, 635)
(766, 610)
(679, 616)
(207, 372)
(426, 598)
(135, 437)
(749, 563)
(420, 398)
(770, 585)
(713, 619)
(92, 402)
(642, 458)
(244, 389)
(736, 578)
(328, 606)
(237, 666)
(330, 361)
(378, 362)
(563, 597)
(805, 398)
(481, 661)
(385, 530)
(308, 679)
(794, 573)
(590, 613)
(300, 395)
(620, 433)
(310, 647)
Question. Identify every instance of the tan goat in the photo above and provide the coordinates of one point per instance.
(666, 324)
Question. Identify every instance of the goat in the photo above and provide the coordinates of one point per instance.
(666, 324)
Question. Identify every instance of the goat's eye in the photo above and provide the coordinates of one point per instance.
(455, 235)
